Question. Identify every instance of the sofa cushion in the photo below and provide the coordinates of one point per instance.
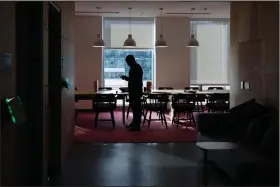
(270, 141)
(247, 111)
(257, 128)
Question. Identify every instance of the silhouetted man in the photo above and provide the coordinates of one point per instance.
(135, 85)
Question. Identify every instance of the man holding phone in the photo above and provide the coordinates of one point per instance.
(135, 84)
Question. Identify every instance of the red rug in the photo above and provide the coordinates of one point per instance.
(104, 133)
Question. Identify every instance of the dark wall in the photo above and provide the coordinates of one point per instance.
(254, 51)
(11, 84)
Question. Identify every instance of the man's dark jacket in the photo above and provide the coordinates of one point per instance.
(135, 82)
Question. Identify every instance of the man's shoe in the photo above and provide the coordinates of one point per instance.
(129, 126)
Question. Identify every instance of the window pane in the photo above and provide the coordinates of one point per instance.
(115, 65)
(209, 61)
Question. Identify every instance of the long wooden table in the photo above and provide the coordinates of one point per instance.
(89, 94)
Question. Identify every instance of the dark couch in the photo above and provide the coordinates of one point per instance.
(256, 131)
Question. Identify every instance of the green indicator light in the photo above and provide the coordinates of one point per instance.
(10, 110)
(13, 119)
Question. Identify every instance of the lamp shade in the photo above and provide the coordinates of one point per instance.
(129, 42)
(193, 42)
(161, 42)
(99, 42)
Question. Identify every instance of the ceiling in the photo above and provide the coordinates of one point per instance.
(151, 8)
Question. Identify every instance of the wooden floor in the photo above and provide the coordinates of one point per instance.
(127, 164)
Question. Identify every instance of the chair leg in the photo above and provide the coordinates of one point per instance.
(174, 116)
(143, 113)
(161, 117)
(193, 119)
(165, 120)
(197, 106)
(201, 106)
(149, 121)
(113, 119)
(96, 119)
(178, 118)
(145, 117)
(128, 110)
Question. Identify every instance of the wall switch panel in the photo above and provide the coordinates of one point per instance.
(247, 86)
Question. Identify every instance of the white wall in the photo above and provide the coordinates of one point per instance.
(173, 62)
(88, 59)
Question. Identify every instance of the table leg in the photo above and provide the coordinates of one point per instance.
(205, 168)
(171, 113)
(123, 110)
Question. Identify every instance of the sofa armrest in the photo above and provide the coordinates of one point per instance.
(214, 122)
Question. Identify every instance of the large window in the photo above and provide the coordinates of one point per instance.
(209, 62)
(115, 65)
(115, 31)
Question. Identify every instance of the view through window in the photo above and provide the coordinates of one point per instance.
(115, 65)
(115, 31)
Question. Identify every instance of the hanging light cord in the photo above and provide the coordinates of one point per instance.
(98, 8)
(192, 18)
(129, 20)
(161, 20)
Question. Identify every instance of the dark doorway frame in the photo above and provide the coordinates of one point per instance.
(29, 86)
(54, 79)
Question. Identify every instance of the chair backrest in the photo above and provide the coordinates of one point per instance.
(215, 88)
(158, 100)
(191, 88)
(105, 88)
(184, 98)
(165, 88)
(189, 99)
(219, 97)
(104, 98)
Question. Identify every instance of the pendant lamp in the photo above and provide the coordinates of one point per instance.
(129, 42)
(161, 41)
(192, 42)
(99, 42)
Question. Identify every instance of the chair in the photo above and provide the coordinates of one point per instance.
(165, 88)
(218, 102)
(105, 88)
(183, 103)
(191, 88)
(155, 103)
(200, 98)
(215, 88)
(104, 103)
